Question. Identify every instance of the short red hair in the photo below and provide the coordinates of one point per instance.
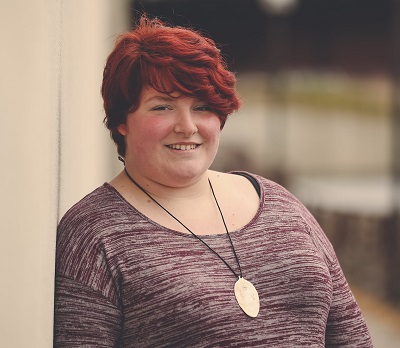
(168, 59)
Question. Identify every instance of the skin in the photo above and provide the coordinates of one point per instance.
(155, 134)
(158, 127)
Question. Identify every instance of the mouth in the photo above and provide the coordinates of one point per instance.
(183, 147)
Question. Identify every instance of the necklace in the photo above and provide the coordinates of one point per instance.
(245, 292)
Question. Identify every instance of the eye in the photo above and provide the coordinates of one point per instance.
(202, 108)
(161, 108)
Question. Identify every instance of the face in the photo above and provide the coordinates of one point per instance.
(170, 140)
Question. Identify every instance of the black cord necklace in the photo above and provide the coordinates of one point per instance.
(245, 292)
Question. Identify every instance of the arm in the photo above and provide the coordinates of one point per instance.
(345, 326)
(87, 310)
(83, 317)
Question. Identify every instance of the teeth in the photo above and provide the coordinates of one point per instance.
(183, 147)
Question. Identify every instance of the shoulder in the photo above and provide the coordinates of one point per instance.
(97, 202)
(268, 189)
(91, 217)
(281, 205)
(83, 253)
(87, 226)
(243, 187)
(246, 183)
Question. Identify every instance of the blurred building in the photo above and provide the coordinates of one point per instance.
(318, 81)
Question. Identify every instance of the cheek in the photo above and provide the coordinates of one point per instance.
(146, 138)
(212, 128)
(157, 125)
(152, 129)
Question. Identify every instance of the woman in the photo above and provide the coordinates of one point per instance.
(172, 254)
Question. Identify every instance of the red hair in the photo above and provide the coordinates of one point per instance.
(168, 59)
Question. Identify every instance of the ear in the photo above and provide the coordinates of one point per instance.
(122, 129)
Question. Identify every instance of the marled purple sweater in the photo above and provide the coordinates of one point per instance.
(122, 280)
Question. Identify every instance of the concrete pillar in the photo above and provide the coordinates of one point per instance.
(54, 148)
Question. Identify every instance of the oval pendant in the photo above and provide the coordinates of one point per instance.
(247, 297)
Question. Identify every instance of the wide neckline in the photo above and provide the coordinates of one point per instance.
(188, 234)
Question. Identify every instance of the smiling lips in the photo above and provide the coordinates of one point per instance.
(183, 147)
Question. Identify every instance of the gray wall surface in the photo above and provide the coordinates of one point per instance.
(53, 53)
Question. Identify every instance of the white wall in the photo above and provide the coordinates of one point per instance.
(54, 148)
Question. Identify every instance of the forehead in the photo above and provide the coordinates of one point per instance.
(149, 93)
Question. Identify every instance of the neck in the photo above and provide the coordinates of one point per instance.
(188, 229)
(195, 188)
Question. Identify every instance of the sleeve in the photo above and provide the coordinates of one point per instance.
(83, 317)
(346, 326)
(87, 305)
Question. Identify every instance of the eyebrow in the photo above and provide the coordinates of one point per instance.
(159, 98)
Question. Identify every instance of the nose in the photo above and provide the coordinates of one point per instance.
(185, 123)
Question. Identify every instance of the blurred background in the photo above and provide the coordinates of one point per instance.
(320, 85)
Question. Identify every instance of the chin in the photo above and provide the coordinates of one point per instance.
(186, 176)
